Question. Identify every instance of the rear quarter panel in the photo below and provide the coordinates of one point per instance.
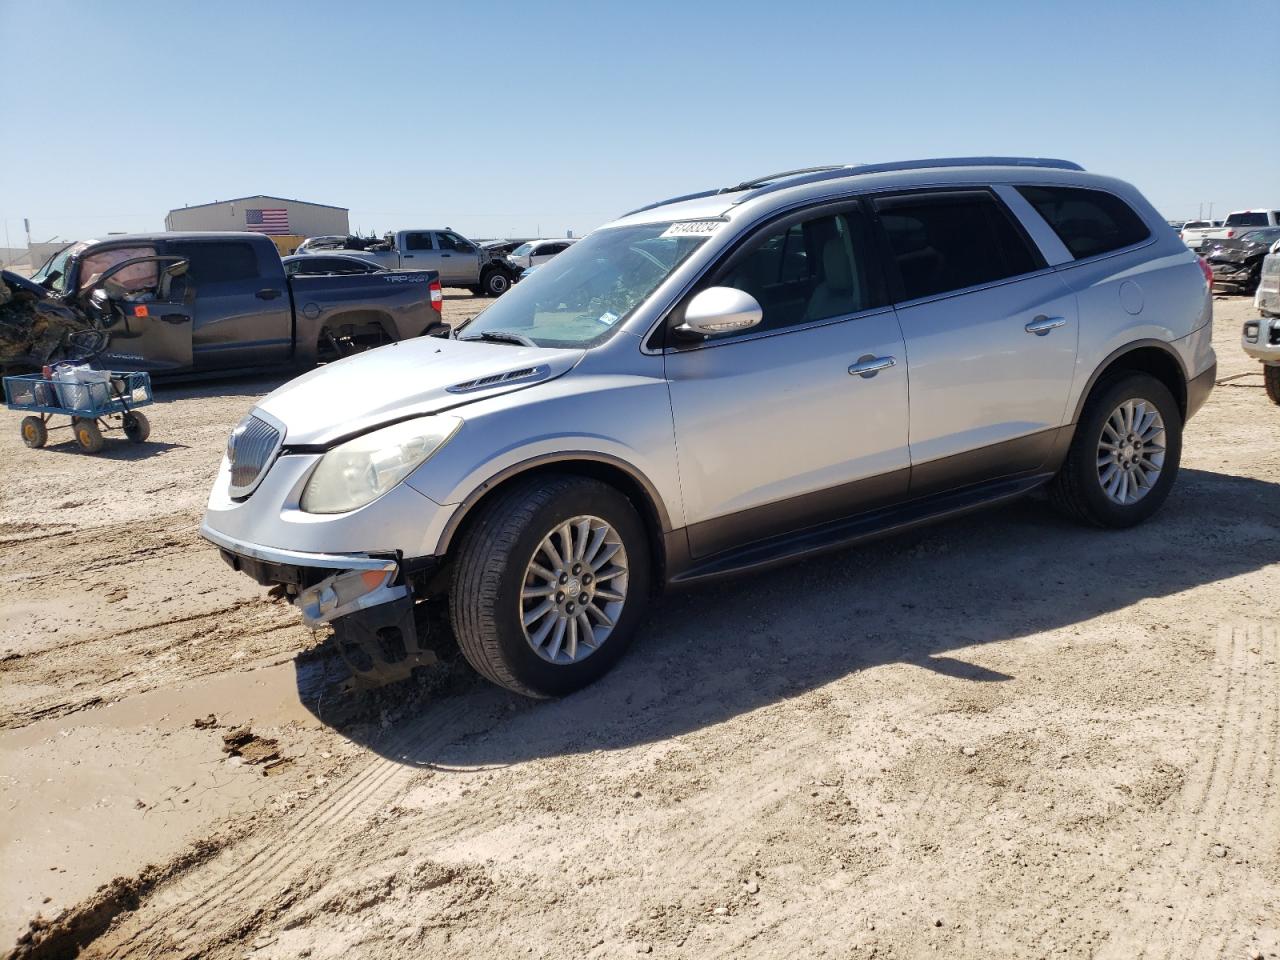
(401, 301)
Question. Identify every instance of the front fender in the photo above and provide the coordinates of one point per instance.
(622, 421)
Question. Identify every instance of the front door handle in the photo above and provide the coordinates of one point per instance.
(1041, 325)
(869, 365)
(267, 294)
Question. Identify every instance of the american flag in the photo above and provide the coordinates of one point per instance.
(275, 222)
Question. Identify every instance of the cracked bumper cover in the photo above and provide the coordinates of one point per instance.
(366, 598)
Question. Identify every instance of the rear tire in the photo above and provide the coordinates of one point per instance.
(34, 433)
(1082, 488)
(136, 426)
(489, 601)
(1271, 376)
(88, 435)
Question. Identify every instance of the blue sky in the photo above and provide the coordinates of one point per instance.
(506, 119)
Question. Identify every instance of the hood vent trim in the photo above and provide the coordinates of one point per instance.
(523, 375)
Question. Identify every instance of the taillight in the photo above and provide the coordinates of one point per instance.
(437, 297)
(1207, 271)
(1230, 233)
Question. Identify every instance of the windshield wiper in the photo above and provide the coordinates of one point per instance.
(502, 336)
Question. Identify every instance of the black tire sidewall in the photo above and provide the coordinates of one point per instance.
(525, 665)
(1137, 386)
(501, 279)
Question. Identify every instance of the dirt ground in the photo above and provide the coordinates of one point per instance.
(1001, 737)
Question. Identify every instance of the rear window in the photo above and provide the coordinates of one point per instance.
(1258, 219)
(952, 240)
(1088, 222)
(218, 261)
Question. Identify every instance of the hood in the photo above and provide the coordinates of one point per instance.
(405, 379)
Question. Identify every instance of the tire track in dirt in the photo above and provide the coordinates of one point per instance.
(224, 900)
(1229, 790)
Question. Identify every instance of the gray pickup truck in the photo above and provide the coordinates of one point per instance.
(459, 261)
(216, 302)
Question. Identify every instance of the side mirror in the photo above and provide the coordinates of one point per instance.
(718, 310)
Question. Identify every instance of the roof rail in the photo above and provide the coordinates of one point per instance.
(795, 178)
(761, 181)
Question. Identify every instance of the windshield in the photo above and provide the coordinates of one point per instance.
(521, 250)
(581, 296)
(58, 263)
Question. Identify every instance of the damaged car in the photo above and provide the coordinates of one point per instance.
(1237, 263)
(231, 306)
(718, 383)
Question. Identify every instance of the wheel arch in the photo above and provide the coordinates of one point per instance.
(1154, 357)
(598, 466)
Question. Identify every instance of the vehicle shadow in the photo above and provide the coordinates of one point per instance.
(117, 448)
(712, 653)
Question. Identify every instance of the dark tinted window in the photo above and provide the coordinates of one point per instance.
(218, 262)
(948, 241)
(1258, 219)
(1088, 222)
(551, 249)
(417, 241)
(812, 270)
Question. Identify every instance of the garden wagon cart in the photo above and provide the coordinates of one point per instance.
(92, 406)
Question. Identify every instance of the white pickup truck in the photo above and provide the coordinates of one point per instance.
(459, 261)
(1194, 232)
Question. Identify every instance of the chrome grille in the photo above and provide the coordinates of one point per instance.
(250, 450)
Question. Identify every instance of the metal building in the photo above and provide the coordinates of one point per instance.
(276, 216)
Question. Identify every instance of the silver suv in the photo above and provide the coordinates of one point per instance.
(722, 382)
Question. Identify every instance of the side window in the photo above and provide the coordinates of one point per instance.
(1088, 222)
(218, 262)
(417, 241)
(952, 240)
(551, 249)
(812, 270)
(451, 241)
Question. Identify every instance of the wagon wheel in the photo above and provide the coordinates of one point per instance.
(34, 432)
(88, 435)
(136, 426)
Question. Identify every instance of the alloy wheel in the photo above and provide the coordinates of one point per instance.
(1131, 451)
(574, 589)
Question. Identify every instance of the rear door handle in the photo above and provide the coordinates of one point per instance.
(868, 366)
(1041, 325)
(267, 294)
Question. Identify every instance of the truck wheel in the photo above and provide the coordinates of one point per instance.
(1271, 376)
(1124, 455)
(496, 283)
(549, 584)
(136, 426)
(34, 433)
(88, 435)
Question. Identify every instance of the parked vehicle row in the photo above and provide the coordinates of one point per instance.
(201, 302)
(459, 262)
(1193, 232)
(1049, 327)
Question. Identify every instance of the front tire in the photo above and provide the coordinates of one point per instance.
(1124, 455)
(1271, 377)
(496, 283)
(88, 436)
(136, 426)
(550, 585)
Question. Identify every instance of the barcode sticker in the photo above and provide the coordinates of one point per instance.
(693, 228)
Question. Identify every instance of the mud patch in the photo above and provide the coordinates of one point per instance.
(65, 935)
(242, 742)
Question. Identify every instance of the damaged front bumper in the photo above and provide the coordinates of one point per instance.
(367, 599)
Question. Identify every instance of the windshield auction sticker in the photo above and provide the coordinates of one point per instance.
(693, 228)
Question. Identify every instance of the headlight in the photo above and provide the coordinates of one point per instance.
(361, 470)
